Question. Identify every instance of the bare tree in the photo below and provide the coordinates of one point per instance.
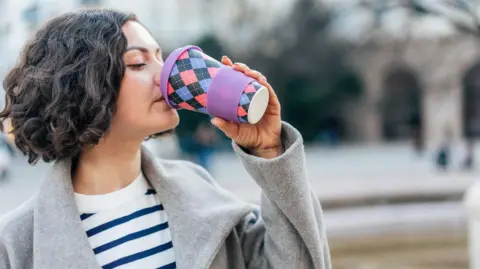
(463, 14)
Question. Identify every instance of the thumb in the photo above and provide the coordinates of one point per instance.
(228, 128)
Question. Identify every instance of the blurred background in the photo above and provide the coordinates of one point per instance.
(385, 92)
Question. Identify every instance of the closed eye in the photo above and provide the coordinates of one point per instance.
(136, 66)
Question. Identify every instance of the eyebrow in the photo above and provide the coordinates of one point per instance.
(142, 49)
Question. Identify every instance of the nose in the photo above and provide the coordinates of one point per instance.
(156, 78)
(158, 66)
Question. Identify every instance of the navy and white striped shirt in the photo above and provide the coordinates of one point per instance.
(128, 228)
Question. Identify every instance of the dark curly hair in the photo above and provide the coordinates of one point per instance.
(61, 95)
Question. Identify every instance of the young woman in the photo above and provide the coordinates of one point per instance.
(84, 95)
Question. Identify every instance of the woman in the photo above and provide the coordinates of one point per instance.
(84, 95)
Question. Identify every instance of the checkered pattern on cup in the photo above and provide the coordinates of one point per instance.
(244, 104)
(190, 78)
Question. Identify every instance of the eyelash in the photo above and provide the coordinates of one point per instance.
(136, 66)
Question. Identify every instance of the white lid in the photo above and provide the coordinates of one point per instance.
(258, 105)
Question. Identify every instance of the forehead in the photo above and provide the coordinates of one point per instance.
(137, 35)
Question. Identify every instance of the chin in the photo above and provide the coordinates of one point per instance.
(165, 121)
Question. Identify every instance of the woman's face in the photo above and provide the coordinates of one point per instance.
(141, 109)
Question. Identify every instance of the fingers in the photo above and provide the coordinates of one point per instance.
(227, 61)
(256, 75)
(273, 98)
(253, 74)
(241, 67)
(230, 129)
(263, 81)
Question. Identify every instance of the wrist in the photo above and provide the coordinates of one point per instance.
(268, 153)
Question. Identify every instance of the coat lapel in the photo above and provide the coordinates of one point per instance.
(59, 238)
(200, 216)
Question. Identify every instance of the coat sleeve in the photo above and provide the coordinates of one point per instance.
(4, 260)
(287, 231)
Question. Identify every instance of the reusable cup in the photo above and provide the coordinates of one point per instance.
(194, 81)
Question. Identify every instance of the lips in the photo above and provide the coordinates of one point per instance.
(159, 99)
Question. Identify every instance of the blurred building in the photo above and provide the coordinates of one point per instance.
(178, 22)
(173, 22)
(419, 71)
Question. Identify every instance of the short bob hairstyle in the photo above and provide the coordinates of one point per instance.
(61, 95)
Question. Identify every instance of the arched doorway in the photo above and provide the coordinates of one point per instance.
(401, 105)
(471, 102)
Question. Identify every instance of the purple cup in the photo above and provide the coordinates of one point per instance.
(192, 80)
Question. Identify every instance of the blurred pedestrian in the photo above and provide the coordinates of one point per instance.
(443, 154)
(468, 162)
(417, 133)
(204, 139)
(443, 157)
(85, 94)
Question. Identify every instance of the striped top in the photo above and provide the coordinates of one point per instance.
(128, 228)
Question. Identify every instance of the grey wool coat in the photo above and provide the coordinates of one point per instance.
(210, 227)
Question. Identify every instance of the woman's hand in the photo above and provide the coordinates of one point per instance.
(263, 138)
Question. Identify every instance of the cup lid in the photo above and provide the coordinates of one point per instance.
(258, 105)
(167, 69)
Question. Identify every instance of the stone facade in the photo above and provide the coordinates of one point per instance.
(440, 66)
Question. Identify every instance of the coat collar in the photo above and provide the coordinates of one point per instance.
(200, 215)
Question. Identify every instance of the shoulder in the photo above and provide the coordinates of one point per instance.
(16, 227)
(18, 218)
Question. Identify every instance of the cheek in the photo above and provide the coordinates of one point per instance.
(136, 85)
(135, 95)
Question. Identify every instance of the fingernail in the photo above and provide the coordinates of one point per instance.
(213, 121)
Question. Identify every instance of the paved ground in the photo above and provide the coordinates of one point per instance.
(357, 172)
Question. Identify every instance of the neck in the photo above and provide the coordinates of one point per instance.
(109, 166)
